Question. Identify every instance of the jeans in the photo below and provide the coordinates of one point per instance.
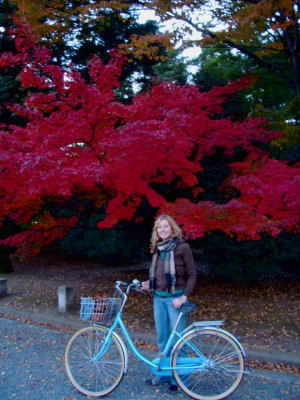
(165, 317)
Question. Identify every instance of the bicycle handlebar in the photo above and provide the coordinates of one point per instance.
(135, 284)
(119, 283)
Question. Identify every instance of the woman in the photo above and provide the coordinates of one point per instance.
(172, 278)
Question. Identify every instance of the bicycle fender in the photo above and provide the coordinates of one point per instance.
(198, 327)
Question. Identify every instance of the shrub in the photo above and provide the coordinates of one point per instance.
(5, 262)
(249, 261)
(109, 245)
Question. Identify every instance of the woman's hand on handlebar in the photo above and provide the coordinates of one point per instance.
(145, 286)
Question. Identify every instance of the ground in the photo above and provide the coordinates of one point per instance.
(264, 315)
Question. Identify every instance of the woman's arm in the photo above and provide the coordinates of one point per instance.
(145, 286)
(190, 270)
(191, 274)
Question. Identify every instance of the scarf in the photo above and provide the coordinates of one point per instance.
(166, 246)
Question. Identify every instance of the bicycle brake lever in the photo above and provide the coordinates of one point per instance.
(140, 291)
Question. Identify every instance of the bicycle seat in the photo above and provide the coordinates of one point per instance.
(187, 307)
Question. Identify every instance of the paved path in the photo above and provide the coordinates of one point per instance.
(32, 368)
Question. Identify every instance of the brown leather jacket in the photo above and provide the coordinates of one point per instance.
(185, 270)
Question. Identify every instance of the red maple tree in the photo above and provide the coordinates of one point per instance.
(79, 141)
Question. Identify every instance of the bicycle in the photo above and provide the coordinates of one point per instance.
(206, 361)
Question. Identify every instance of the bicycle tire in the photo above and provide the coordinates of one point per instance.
(94, 377)
(214, 376)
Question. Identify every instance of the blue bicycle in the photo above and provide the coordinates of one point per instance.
(206, 361)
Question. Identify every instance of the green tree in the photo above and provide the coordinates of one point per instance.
(218, 68)
(266, 97)
(173, 69)
(257, 28)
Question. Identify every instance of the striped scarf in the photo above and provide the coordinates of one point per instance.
(167, 246)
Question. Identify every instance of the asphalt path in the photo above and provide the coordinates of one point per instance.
(32, 368)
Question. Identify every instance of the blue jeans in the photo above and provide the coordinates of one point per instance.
(165, 317)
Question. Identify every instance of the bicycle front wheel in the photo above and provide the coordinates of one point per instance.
(208, 364)
(94, 367)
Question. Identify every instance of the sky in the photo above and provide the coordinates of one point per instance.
(145, 15)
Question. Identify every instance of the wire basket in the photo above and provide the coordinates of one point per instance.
(99, 310)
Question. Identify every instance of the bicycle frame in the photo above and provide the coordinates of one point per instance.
(111, 331)
(160, 366)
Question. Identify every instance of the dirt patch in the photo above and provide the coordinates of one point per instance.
(264, 316)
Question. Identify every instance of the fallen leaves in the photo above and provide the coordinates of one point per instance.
(264, 315)
(287, 369)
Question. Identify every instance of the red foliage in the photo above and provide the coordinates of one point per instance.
(80, 141)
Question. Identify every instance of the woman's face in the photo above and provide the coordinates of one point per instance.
(164, 229)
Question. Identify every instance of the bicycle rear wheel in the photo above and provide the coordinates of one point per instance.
(208, 364)
(91, 374)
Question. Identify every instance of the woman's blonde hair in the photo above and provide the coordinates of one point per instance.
(176, 231)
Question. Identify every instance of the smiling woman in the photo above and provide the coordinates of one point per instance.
(172, 277)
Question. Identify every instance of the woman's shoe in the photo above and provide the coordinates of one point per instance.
(172, 389)
(156, 381)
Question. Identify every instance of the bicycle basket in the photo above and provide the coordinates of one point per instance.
(99, 310)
